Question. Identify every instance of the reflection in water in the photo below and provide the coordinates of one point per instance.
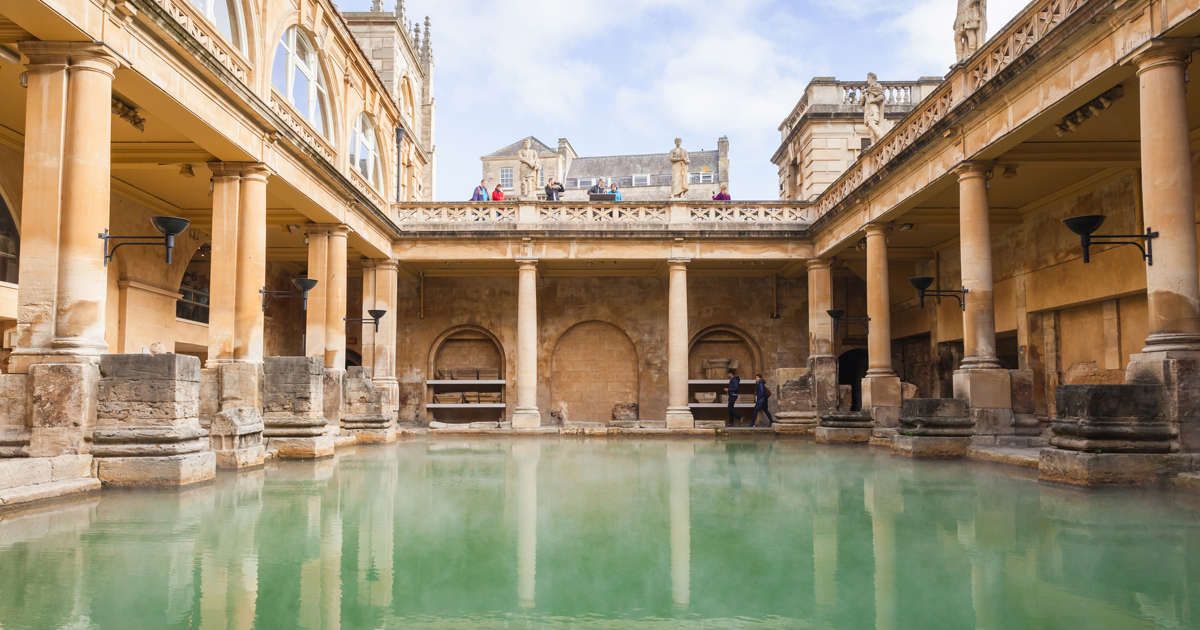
(561, 533)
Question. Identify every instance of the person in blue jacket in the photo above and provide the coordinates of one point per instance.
(615, 192)
(731, 394)
(481, 192)
(762, 395)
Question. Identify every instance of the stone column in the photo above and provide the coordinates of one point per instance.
(252, 264)
(679, 415)
(318, 263)
(822, 363)
(86, 172)
(979, 317)
(1168, 200)
(527, 415)
(881, 387)
(366, 335)
(384, 361)
(335, 300)
(980, 380)
(222, 292)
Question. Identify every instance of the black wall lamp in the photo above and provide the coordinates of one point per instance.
(922, 284)
(376, 315)
(302, 287)
(169, 227)
(1086, 225)
(839, 315)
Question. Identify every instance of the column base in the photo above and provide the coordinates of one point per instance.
(841, 435)
(1112, 469)
(930, 447)
(236, 436)
(881, 396)
(1172, 342)
(314, 447)
(680, 418)
(372, 433)
(166, 471)
(527, 419)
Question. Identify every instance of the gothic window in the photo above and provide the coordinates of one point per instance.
(226, 16)
(297, 76)
(506, 178)
(364, 152)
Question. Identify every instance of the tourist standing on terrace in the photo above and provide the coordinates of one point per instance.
(615, 192)
(554, 190)
(497, 195)
(598, 189)
(481, 192)
(731, 393)
(723, 195)
(762, 394)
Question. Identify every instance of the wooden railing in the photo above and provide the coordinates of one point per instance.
(583, 215)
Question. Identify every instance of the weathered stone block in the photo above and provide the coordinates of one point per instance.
(930, 446)
(240, 384)
(1105, 469)
(989, 389)
(210, 395)
(1113, 419)
(14, 401)
(1022, 391)
(25, 471)
(302, 447)
(151, 367)
(881, 391)
(625, 412)
(841, 435)
(62, 407)
(236, 436)
(175, 470)
(331, 382)
(796, 390)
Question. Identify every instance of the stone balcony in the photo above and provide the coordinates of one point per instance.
(775, 218)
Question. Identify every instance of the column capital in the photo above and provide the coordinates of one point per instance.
(387, 264)
(326, 229)
(973, 170)
(86, 55)
(1164, 52)
(819, 263)
(876, 229)
(678, 262)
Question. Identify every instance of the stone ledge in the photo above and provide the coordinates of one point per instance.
(1011, 456)
(169, 471)
(841, 435)
(930, 447)
(1112, 469)
(22, 495)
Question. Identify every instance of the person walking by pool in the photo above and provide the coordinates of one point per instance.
(731, 393)
(762, 395)
(481, 192)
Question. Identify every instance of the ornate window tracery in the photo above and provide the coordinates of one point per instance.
(364, 152)
(226, 16)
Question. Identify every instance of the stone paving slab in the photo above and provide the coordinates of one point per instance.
(12, 497)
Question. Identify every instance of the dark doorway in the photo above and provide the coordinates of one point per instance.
(852, 367)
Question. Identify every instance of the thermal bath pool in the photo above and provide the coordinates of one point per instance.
(521, 533)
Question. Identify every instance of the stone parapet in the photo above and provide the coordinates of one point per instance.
(293, 408)
(147, 429)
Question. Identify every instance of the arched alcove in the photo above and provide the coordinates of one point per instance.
(193, 303)
(10, 244)
(462, 349)
(594, 374)
(718, 343)
(852, 367)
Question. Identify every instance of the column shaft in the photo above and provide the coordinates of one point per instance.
(252, 264)
(318, 264)
(87, 160)
(222, 291)
(820, 300)
(979, 317)
(45, 133)
(879, 308)
(367, 334)
(1168, 201)
(384, 361)
(679, 415)
(335, 301)
(527, 414)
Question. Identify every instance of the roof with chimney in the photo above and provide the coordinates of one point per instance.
(512, 149)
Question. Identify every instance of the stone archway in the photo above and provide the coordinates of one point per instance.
(594, 373)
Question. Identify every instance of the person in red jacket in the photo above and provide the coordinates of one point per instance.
(497, 195)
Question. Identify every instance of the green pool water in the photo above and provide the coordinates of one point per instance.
(558, 533)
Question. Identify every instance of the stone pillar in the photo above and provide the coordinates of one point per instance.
(679, 461)
(526, 456)
(366, 333)
(335, 324)
(527, 415)
(881, 387)
(252, 264)
(148, 431)
(1168, 200)
(86, 171)
(822, 363)
(980, 380)
(679, 414)
(383, 363)
(293, 393)
(231, 404)
(318, 262)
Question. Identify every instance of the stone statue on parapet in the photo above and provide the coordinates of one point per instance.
(873, 101)
(679, 170)
(530, 167)
(970, 27)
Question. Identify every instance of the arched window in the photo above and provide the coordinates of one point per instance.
(407, 100)
(297, 76)
(193, 287)
(364, 152)
(10, 246)
(226, 16)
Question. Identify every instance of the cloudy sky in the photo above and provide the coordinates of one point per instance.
(627, 76)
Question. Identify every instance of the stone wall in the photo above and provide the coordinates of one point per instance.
(591, 326)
